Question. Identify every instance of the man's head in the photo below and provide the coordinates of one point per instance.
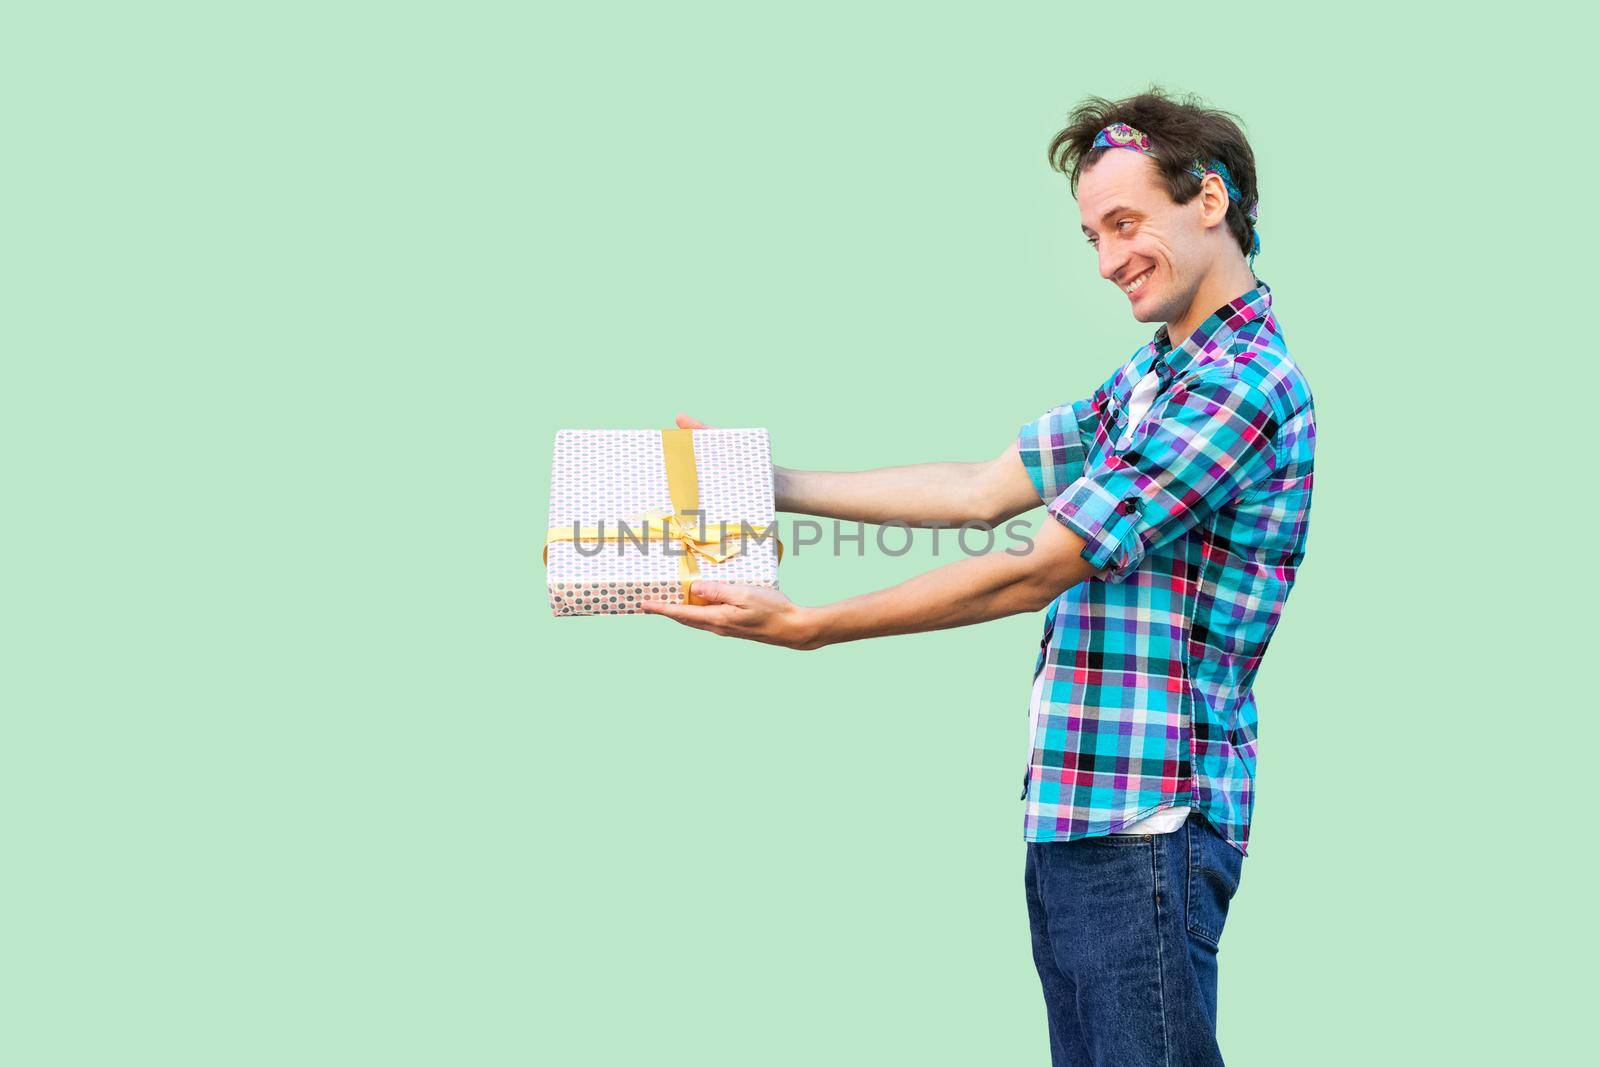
(1160, 228)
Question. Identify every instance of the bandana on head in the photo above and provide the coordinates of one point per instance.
(1121, 135)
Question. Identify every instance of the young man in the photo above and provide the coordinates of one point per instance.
(1180, 492)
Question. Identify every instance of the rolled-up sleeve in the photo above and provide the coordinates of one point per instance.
(1202, 443)
(1053, 446)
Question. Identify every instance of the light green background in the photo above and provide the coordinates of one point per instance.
(299, 769)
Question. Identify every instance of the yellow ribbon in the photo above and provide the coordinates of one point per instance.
(683, 484)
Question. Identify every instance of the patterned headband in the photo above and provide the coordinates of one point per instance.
(1121, 135)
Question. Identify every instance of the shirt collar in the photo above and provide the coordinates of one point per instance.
(1212, 333)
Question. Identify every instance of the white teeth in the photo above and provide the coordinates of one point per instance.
(1138, 282)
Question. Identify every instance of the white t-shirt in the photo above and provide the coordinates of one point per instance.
(1139, 401)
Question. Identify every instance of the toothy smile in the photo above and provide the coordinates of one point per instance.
(1137, 283)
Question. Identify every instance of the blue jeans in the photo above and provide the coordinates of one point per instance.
(1125, 934)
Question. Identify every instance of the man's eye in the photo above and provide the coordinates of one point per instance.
(1091, 242)
(1124, 222)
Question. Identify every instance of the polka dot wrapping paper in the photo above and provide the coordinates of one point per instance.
(603, 477)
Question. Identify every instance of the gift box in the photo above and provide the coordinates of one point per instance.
(638, 515)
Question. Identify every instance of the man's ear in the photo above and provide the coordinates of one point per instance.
(1213, 201)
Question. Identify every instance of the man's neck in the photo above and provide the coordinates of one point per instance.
(1227, 283)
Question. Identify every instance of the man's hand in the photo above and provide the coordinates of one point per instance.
(750, 612)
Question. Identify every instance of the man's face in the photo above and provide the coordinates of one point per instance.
(1153, 249)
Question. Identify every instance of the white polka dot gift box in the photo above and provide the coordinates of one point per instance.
(637, 515)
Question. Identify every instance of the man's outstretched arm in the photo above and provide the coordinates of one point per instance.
(922, 494)
(968, 591)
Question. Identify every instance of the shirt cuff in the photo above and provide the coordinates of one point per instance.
(1108, 524)
(1053, 448)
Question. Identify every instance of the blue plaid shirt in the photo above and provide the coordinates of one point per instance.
(1199, 525)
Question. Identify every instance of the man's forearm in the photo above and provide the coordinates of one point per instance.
(924, 494)
(968, 591)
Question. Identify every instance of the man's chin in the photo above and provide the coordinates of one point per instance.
(1147, 311)
(1150, 308)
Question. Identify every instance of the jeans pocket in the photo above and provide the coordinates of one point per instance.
(1214, 869)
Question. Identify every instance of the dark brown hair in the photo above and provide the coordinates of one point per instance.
(1181, 130)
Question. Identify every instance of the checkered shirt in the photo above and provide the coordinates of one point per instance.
(1199, 526)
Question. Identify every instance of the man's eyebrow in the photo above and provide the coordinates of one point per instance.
(1118, 210)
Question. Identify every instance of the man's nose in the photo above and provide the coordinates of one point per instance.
(1111, 261)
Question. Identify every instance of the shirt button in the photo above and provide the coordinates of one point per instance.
(1130, 506)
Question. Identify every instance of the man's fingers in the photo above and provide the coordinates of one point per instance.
(682, 612)
(686, 423)
(720, 593)
(705, 617)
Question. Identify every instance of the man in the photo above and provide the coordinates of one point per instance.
(1179, 493)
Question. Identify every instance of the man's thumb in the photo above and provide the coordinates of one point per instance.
(712, 592)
